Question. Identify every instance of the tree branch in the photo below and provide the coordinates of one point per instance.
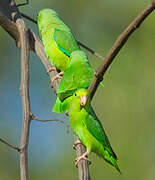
(24, 88)
(83, 167)
(29, 18)
(91, 50)
(10, 27)
(121, 40)
(25, 98)
(10, 145)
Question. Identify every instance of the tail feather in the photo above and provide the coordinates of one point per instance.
(111, 160)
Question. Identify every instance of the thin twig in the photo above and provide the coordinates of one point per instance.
(29, 18)
(10, 145)
(91, 51)
(121, 40)
(48, 120)
(80, 44)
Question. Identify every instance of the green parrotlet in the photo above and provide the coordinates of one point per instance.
(88, 128)
(57, 39)
(78, 75)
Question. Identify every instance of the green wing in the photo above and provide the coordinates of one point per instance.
(95, 128)
(65, 94)
(65, 41)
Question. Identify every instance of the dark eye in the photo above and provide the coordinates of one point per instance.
(75, 94)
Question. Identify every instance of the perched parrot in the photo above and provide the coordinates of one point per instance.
(88, 128)
(57, 39)
(78, 75)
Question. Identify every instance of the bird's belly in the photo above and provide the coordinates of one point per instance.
(87, 139)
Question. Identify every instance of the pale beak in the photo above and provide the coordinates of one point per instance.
(83, 100)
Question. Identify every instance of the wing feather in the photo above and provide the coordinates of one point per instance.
(95, 128)
(65, 41)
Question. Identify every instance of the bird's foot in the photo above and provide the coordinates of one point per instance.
(98, 76)
(76, 143)
(67, 113)
(53, 68)
(95, 73)
(58, 76)
(83, 157)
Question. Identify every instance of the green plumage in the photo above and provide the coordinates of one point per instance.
(78, 75)
(57, 39)
(88, 128)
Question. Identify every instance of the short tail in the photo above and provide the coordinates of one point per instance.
(111, 160)
(118, 169)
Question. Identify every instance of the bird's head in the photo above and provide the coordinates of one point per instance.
(46, 16)
(47, 12)
(83, 96)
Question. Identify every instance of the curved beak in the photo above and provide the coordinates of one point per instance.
(83, 100)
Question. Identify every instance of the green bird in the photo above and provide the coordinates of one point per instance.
(78, 75)
(57, 39)
(88, 128)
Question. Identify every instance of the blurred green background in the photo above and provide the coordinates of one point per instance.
(125, 106)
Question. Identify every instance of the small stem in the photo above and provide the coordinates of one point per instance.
(91, 50)
(10, 145)
(48, 120)
(29, 18)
